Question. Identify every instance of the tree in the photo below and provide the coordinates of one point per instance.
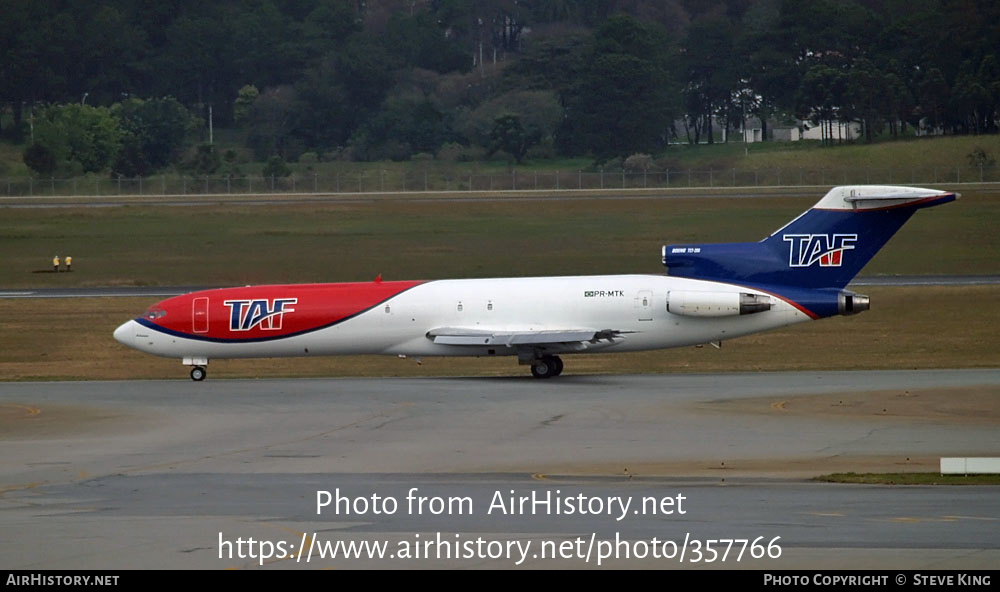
(866, 96)
(934, 97)
(39, 159)
(710, 67)
(276, 167)
(154, 134)
(624, 100)
(509, 135)
(89, 136)
(272, 121)
(819, 97)
(538, 111)
(244, 103)
(205, 160)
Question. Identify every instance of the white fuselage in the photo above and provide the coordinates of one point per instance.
(635, 306)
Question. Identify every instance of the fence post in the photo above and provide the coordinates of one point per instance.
(980, 172)
(119, 185)
(623, 177)
(579, 179)
(53, 179)
(31, 187)
(229, 183)
(293, 182)
(163, 184)
(644, 171)
(470, 181)
(249, 184)
(425, 180)
(184, 186)
(315, 183)
(206, 184)
(689, 177)
(557, 179)
(513, 180)
(140, 185)
(711, 177)
(667, 173)
(602, 178)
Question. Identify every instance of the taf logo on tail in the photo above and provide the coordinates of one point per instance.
(247, 314)
(828, 249)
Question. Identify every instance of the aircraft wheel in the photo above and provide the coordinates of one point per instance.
(544, 367)
(198, 373)
(559, 365)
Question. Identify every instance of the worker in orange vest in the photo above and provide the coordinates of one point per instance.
(55, 264)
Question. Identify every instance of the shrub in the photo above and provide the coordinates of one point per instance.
(638, 162)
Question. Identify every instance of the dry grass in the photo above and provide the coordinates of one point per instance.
(925, 327)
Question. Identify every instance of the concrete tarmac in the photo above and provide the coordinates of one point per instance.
(508, 472)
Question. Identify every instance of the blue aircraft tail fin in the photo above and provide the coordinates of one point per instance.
(825, 247)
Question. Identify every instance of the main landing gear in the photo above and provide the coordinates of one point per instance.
(198, 373)
(547, 367)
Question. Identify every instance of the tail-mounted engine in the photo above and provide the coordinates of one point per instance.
(849, 303)
(716, 304)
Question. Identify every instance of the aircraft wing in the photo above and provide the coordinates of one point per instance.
(566, 338)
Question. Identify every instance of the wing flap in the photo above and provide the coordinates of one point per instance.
(481, 337)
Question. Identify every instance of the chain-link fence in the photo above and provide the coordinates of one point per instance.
(412, 181)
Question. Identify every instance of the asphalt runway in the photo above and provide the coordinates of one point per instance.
(177, 474)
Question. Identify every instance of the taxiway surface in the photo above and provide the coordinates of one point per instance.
(171, 474)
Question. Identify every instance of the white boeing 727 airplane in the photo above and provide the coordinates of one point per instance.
(710, 292)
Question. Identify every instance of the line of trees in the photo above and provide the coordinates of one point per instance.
(374, 80)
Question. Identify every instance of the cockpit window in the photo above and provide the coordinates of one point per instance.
(155, 313)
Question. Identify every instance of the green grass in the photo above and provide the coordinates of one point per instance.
(910, 479)
(233, 244)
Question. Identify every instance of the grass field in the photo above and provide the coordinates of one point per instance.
(910, 479)
(234, 245)
(918, 327)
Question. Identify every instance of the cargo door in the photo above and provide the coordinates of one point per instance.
(199, 315)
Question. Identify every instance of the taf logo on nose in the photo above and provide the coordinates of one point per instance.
(247, 314)
(806, 249)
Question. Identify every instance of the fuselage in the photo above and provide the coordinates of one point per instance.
(397, 317)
